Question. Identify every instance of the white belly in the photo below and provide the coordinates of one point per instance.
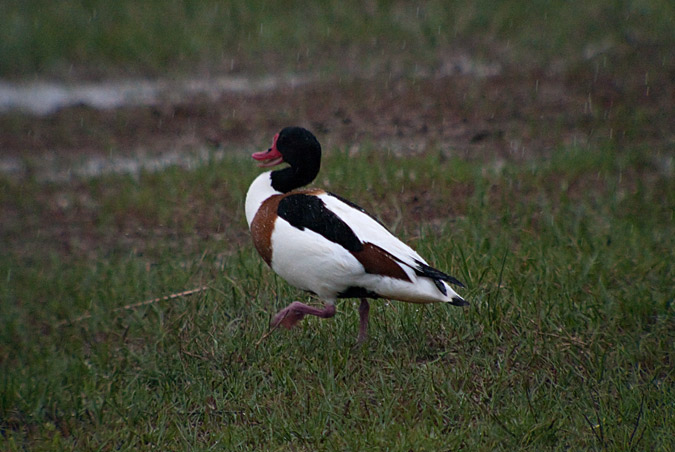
(310, 262)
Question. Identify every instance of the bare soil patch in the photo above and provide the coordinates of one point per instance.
(502, 116)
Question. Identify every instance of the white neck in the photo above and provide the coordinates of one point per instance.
(258, 192)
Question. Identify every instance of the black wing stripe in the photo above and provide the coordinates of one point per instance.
(437, 275)
(308, 211)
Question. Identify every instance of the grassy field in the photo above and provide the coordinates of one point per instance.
(101, 38)
(548, 188)
(567, 343)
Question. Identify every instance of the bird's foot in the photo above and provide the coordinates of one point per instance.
(287, 318)
(296, 311)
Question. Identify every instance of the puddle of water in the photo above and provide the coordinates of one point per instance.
(51, 168)
(44, 98)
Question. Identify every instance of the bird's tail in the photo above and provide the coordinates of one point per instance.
(439, 278)
(458, 301)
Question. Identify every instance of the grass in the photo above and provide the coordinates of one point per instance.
(567, 343)
(567, 254)
(97, 38)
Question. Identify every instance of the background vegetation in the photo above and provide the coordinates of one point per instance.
(99, 37)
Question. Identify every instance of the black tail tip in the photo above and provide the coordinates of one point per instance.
(458, 301)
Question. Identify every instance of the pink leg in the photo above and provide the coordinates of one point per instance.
(295, 311)
(364, 310)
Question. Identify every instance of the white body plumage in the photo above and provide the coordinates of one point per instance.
(312, 262)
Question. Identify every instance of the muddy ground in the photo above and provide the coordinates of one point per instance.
(510, 115)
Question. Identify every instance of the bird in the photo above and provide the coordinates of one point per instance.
(327, 245)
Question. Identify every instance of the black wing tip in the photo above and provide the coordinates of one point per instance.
(458, 301)
(435, 274)
(456, 282)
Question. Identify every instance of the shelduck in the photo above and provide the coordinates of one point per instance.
(327, 245)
